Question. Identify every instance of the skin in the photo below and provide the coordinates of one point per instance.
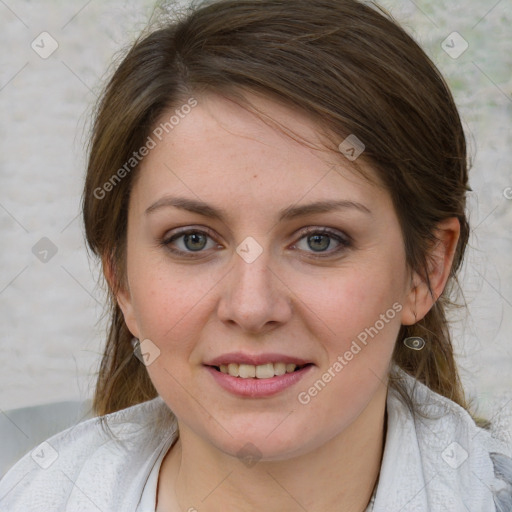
(324, 455)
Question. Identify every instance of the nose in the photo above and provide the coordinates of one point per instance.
(254, 297)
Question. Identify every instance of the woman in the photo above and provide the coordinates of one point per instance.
(276, 190)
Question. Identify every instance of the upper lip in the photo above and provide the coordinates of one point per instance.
(254, 359)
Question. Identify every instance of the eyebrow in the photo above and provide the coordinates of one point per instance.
(292, 212)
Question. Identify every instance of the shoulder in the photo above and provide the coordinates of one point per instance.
(458, 462)
(503, 472)
(95, 460)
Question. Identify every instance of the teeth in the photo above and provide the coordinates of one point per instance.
(279, 368)
(262, 371)
(246, 370)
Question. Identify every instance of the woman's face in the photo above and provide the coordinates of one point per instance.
(230, 262)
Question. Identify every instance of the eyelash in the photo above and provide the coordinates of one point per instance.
(344, 241)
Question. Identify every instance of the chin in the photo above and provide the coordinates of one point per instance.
(265, 441)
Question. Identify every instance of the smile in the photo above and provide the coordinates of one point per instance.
(261, 380)
(262, 371)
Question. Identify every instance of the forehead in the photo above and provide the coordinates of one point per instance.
(221, 152)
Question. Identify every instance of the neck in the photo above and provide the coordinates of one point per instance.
(339, 475)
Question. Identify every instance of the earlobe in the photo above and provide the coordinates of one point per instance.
(421, 298)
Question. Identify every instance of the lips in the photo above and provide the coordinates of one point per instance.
(258, 387)
(259, 375)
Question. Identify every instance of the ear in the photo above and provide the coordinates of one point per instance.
(419, 299)
(122, 293)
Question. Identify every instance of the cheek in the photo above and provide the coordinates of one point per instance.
(168, 307)
(352, 303)
(166, 303)
(356, 319)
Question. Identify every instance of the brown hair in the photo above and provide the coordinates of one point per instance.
(348, 66)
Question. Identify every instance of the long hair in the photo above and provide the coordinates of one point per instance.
(347, 65)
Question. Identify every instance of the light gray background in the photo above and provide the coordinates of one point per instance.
(52, 332)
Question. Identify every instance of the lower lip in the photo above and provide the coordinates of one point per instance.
(257, 388)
